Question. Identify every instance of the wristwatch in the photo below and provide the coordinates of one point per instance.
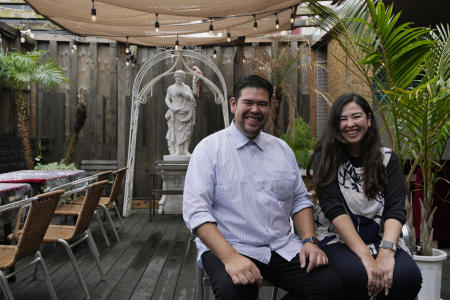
(312, 239)
(388, 245)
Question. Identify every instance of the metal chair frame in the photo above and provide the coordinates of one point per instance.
(29, 239)
(87, 211)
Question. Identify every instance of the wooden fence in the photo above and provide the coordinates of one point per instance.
(99, 76)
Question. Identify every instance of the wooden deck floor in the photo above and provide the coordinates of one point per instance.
(153, 260)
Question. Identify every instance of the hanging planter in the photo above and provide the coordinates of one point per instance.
(431, 269)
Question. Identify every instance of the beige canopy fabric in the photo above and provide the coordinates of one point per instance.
(185, 20)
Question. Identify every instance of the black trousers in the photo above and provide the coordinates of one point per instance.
(321, 284)
(407, 277)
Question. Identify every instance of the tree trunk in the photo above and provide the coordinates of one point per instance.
(275, 111)
(24, 131)
(79, 123)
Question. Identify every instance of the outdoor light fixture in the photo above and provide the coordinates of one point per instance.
(177, 44)
(277, 22)
(211, 28)
(156, 24)
(292, 15)
(228, 36)
(215, 53)
(127, 47)
(255, 24)
(93, 12)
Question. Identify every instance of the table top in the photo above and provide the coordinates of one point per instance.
(37, 176)
(8, 187)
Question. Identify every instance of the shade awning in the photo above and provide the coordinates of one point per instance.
(188, 21)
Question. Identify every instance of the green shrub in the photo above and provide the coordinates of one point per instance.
(55, 166)
(301, 142)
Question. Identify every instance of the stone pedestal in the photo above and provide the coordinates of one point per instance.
(172, 170)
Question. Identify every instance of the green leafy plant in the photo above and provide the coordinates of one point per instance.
(55, 166)
(276, 68)
(18, 71)
(301, 141)
(407, 69)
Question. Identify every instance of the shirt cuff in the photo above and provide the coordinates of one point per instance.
(300, 207)
(200, 219)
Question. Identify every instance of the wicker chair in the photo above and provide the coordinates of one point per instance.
(106, 203)
(62, 234)
(70, 209)
(29, 238)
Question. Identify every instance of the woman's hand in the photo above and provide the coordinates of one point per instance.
(385, 262)
(374, 278)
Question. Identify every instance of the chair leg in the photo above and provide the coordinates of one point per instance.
(274, 293)
(108, 216)
(102, 229)
(51, 290)
(75, 266)
(200, 287)
(118, 215)
(93, 248)
(5, 286)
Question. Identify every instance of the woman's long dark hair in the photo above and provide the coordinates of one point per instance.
(334, 151)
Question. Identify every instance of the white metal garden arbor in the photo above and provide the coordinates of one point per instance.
(139, 96)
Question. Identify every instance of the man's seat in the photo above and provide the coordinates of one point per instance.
(203, 285)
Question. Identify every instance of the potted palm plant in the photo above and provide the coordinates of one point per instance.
(407, 70)
(18, 71)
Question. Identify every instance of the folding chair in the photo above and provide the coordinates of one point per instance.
(29, 238)
(62, 234)
(107, 203)
(74, 207)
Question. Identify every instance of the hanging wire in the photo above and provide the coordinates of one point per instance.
(93, 12)
(156, 23)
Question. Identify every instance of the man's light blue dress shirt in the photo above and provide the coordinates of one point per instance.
(250, 188)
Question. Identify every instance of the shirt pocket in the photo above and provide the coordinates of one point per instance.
(282, 184)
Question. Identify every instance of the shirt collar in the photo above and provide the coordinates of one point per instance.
(241, 140)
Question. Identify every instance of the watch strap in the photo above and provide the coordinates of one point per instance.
(312, 239)
(388, 245)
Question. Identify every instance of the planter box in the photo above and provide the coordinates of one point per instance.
(431, 269)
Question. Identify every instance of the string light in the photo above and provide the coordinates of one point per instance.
(128, 61)
(177, 44)
(277, 22)
(255, 24)
(215, 53)
(22, 37)
(228, 36)
(243, 59)
(93, 12)
(156, 24)
(292, 15)
(127, 47)
(211, 28)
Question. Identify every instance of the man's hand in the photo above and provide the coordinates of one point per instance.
(385, 262)
(316, 256)
(242, 270)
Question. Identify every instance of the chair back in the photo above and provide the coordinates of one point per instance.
(84, 181)
(89, 205)
(36, 223)
(117, 186)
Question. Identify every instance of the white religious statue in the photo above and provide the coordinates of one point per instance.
(180, 116)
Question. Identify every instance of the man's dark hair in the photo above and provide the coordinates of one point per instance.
(253, 81)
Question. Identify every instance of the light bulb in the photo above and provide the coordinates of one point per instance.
(228, 37)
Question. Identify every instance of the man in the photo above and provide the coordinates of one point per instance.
(180, 116)
(242, 186)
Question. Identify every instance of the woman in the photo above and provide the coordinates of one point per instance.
(361, 194)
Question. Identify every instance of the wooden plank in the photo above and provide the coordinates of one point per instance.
(131, 257)
(187, 279)
(121, 109)
(150, 279)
